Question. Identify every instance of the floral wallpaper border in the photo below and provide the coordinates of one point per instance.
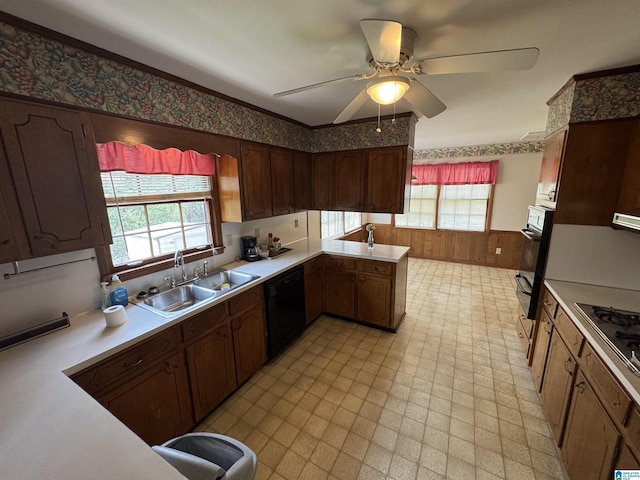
(478, 150)
(37, 66)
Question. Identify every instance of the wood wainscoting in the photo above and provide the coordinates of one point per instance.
(478, 248)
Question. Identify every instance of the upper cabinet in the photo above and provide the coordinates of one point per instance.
(302, 181)
(256, 181)
(50, 181)
(629, 198)
(375, 180)
(591, 169)
(282, 181)
(550, 168)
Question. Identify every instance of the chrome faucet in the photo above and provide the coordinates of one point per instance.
(178, 261)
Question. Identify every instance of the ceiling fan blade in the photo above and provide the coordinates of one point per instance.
(320, 84)
(353, 107)
(516, 59)
(384, 38)
(423, 100)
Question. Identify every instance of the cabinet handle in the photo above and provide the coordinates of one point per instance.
(569, 364)
(4, 242)
(362, 279)
(133, 364)
(580, 386)
(547, 327)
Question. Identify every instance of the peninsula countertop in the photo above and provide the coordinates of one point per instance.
(52, 429)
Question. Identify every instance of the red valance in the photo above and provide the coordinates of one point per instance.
(464, 173)
(144, 159)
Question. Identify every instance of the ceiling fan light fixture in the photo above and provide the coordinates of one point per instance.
(387, 90)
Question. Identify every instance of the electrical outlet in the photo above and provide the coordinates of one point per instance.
(295, 223)
(229, 240)
(498, 251)
(257, 233)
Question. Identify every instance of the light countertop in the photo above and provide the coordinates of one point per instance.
(568, 293)
(52, 429)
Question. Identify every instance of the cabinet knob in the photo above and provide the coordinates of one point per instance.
(4, 242)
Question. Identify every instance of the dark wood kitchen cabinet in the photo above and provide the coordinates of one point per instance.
(550, 168)
(374, 299)
(256, 181)
(388, 180)
(541, 349)
(557, 385)
(629, 197)
(591, 439)
(349, 170)
(340, 286)
(302, 181)
(248, 323)
(313, 289)
(282, 181)
(323, 181)
(50, 180)
(212, 370)
(8, 248)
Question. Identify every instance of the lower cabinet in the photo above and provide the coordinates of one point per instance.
(541, 349)
(313, 289)
(249, 332)
(591, 439)
(212, 369)
(373, 299)
(626, 460)
(340, 286)
(156, 403)
(557, 385)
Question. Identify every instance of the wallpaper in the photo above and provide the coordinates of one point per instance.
(38, 67)
(478, 150)
(614, 96)
(560, 109)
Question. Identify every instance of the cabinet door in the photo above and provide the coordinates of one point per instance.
(52, 160)
(282, 181)
(373, 299)
(323, 181)
(591, 438)
(550, 167)
(339, 293)
(557, 384)
(211, 369)
(256, 181)
(541, 349)
(386, 180)
(626, 460)
(156, 404)
(8, 250)
(303, 181)
(349, 181)
(249, 342)
(629, 196)
(313, 296)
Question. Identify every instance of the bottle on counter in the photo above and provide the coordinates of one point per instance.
(270, 241)
(118, 295)
(106, 301)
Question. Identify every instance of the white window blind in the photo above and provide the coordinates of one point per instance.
(463, 207)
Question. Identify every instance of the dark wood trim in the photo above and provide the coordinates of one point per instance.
(607, 73)
(90, 48)
(363, 120)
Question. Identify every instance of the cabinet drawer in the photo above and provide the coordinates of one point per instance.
(131, 361)
(550, 304)
(344, 263)
(371, 266)
(610, 393)
(312, 266)
(569, 332)
(527, 323)
(246, 300)
(204, 321)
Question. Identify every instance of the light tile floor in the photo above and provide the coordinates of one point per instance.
(449, 396)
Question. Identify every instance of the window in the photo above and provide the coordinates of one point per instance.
(336, 224)
(154, 215)
(450, 196)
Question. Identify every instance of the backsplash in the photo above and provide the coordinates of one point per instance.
(38, 67)
(35, 297)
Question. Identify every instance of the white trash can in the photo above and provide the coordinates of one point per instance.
(209, 456)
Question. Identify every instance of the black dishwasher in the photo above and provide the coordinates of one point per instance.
(284, 295)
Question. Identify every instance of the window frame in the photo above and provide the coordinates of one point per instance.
(487, 222)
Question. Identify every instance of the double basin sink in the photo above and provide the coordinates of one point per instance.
(184, 298)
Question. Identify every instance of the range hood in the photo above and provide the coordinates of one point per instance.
(626, 220)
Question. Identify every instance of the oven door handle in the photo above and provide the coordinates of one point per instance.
(530, 235)
(519, 277)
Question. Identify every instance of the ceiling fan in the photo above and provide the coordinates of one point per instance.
(390, 57)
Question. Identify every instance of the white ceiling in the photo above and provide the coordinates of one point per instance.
(251, 49)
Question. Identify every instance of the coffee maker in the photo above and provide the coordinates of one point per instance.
(250, 249)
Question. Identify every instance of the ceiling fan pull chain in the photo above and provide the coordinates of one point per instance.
(378, 129)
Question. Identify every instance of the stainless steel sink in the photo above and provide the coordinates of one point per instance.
(176, 300)
(224, 280)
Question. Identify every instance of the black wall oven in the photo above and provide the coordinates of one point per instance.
(537, 235)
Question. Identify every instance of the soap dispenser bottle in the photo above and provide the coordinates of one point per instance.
(118, 293)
